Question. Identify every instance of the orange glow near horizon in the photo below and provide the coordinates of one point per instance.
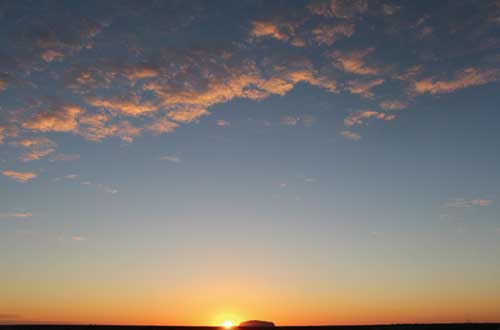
(228, 324)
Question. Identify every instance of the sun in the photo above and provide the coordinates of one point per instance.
(228, 324)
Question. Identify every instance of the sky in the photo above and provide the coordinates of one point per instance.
(302, 162)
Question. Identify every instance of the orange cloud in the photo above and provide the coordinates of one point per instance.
(465, 78)
(187, 115)
(350, 135)
(359, 117)
(39, 147)
(130, 106)
(2, 130)
(97, 119)
(162, 125)
(95, 127)
(270, 29)
(58, 119)
(20, 176)
(328, 34)
(353, 62)
(52, 55)
(141, 71)
(363, 87)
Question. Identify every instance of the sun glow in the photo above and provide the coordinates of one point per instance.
(228, 324)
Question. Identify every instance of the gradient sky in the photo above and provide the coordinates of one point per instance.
(303, 162)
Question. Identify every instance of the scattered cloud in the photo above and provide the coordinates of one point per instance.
(57, 119)
(462, 79)
(188, 115)
(78, 238)
(460, 202)
(128, 105)
(64, 157)
(358, 118)
(350, 135)
(38, 147)
(328, 34)
(161, 126)
(16, 215)
(271, 29)
(354, 62)
(364, 87)
(393, 105)
(223, 123)
(100, 186)
(20, 176)
(171, 158)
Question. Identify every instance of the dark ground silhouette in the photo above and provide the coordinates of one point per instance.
(465, 326)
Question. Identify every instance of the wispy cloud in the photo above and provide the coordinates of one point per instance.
(350, 135)
(462, 79)
(100, 186)
(358, 118)
(364, 87)
(393, 105)
(354, 62)
(171, 158)
(20, 176)
(38, 147)
(64, 157)
(16, 215)
(460, 202)
(78, 238)
(223, 123)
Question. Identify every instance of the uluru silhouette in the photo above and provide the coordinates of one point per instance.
(256, 323)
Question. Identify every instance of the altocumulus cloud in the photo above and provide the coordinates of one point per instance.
(20, 176)
(326, 44)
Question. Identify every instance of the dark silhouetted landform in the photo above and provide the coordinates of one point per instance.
(465, 326)
(256, 324)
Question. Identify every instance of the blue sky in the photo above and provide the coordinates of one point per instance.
(290, 161)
